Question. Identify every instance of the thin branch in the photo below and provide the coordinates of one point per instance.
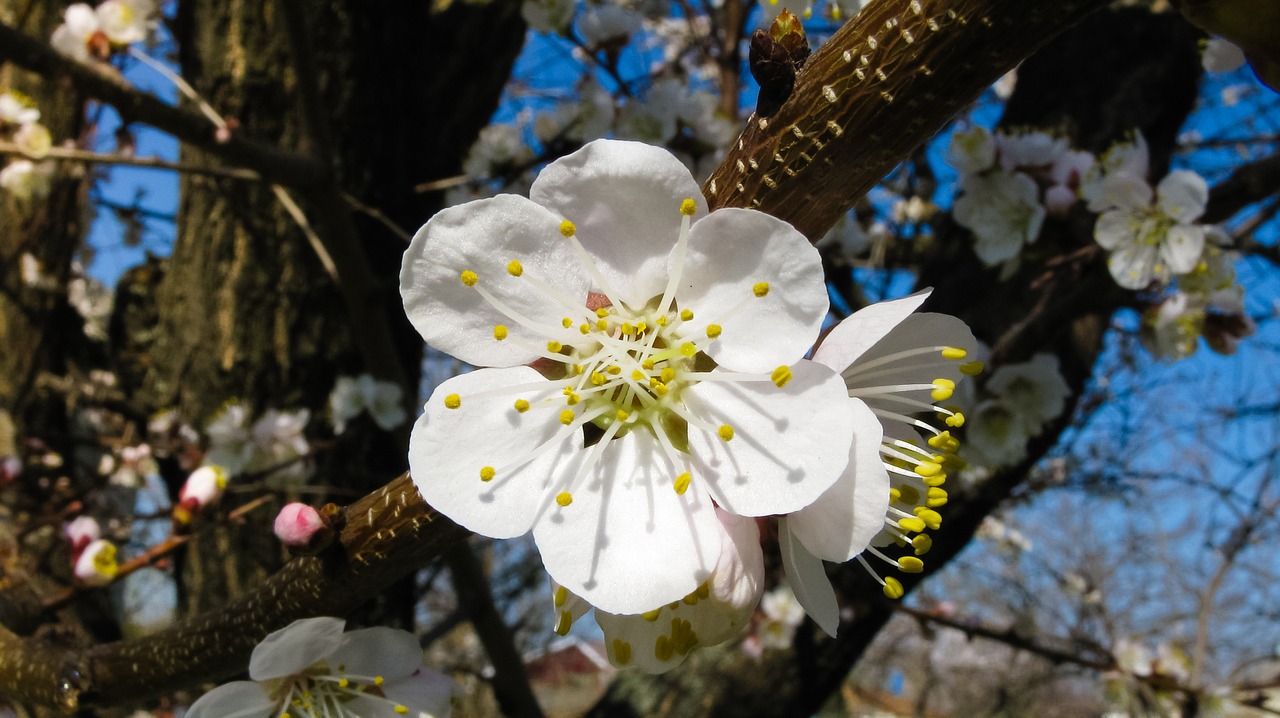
(69, 155)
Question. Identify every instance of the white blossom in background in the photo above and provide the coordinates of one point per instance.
(683, 361)
(17, 110)
(782, 613)
(608, 24)
(719, 609)
(972, 151)
(589, 117)
(1003, 211)
(26, 180)
(499, 148)
(997, 435)
(92, 300)
(82, 531)
(229, 439)
(1029, 150)
(311, 668)
(278, 438)
(1003, 535)
(846, 237)
(125, 22)
(653, 118)
(1129, 160)
(915, 210)
(1172, 329)
(551, 16)
(1151, 241)
(353, 396)
(80, 35)
(96, 564)
(1066, 175)
(203, 488)
(1034, 389)
(1222, 56)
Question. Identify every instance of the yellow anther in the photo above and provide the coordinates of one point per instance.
(401, 710)
(688, 349)
(564, 498)
(703, 590)
(944, 441)
(691, 599)
(572, 399)
(667, 375)
(567, 228)
(554, 347)
(760, 289)
(622, 414)
(910, 495)
(577, 370)
(343, 682)
(453, 401)
(954, 353)
(647, 364)
(894, 495)
(662, 649)
(713, 331)
(938, 480)
(602, 324)
(912, 525)
(935, 497)
(378, 680)
(613, 369)
(688, 207)
(972, 368)
(597, 378)
(469, 277)
(662, 321)
(686, 314)
(651, 616)
(660, 389)
(560, 596)
(922, 543)
(942, 389)
(931, 518)
(621, 651)
(567, 416)
(910, 564)
(955, 420)
(487, 473)
(682, 482)
(602, 313)
(893, 588)
(584, 328)
(566, 322)
(499, 332)
(641, 327)
(781, 376)
(638, 375)
(627, 329)
(928, 468)
(514, 268)
(725, 431)
(564, 623)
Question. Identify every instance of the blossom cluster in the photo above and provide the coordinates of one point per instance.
(644, 401)
(275, 443)
(1014, 405)
(95, 33)
(26, 178)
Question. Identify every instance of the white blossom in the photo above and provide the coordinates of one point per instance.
(1003, 211)
(1222, 56)
(1034, 389)
(972, 151)
(1151, 241)
(96, 565)
(352, 396)
(608, 23)
(17, 110)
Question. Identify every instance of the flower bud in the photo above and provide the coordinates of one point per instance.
(82, 532)
(302, 528)
(97, 564)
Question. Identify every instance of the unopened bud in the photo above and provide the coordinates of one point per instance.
(82, 532)
(203, 487)
(10, 469)
(303, 529)
(97, 564)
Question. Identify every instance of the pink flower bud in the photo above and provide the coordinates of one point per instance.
(10, 469)
(204, 486)
(97, 564)
(82, 532)
(298, 524)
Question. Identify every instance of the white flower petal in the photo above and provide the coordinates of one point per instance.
(379, 651)
(852, 337)
(628, 541)
(484, 237)
(450, 447)
(426, 693)
(295, 647)
(808, 580)
(371, 706)
(789, 445)
(1182, 195)
(624, 198)
(239, 699)
(840, 524)
(731, 251)
(1123, 190)
(1182, 247)
(1114, 228)
(1133, 265)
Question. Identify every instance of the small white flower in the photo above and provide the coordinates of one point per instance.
(26, 180)
(499, 148)
(17, 110)
(608, 23)
(1035, 390)
(352, 396)
(83, 531)
(229, 444)
(667, 372)
(1130, 159)
(1222, 56)
(847, 237)
(278, 439)
(203, 487)
(1172, 330)
(124, 22)
(1132, 657)
(97, 565)
(1003, 211)
(972, 151)
(1151, 241)
(315, 669)
(782, 612)
(552, 16)
(1029, 150)
(997, 435)
(78, 35)
(654, 117)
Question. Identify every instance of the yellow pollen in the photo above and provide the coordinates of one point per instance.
(688, 349)
(725, 431)
(622, 414)
(935, 497)
(922, 544)
(927, 469)
(499, 332)
(521, 405)
(893, 588)
(956, 420)
(584, 328)
(469, 277)
(487, 473)
(647, 364)
(713, 331)
(660, 389)
(515, 269)
(577, 370)
(912, 525)
(597, 378)
(378, 680)
(955, 353)
(781, 376)
(662, 321)
(573, 399)
(566, 417)
(638, 375)
(894, 495)
(910, 564)
(641, 327)
(602, 312)
(602, 324)
(564, 498)
(614, 369)
(564, 623)
(627, 329)
(651, 616)
(688, 207)
(561, 595)
(567, 228)
(554, 347)
(621, 651)
(972, 368)
(942, 389)
(760, 289)
(682, 482)
(667, 375)
(401, 710)
(686, 314)
(566, 322)
(931, 518)
(343, 682)
(453, 401)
